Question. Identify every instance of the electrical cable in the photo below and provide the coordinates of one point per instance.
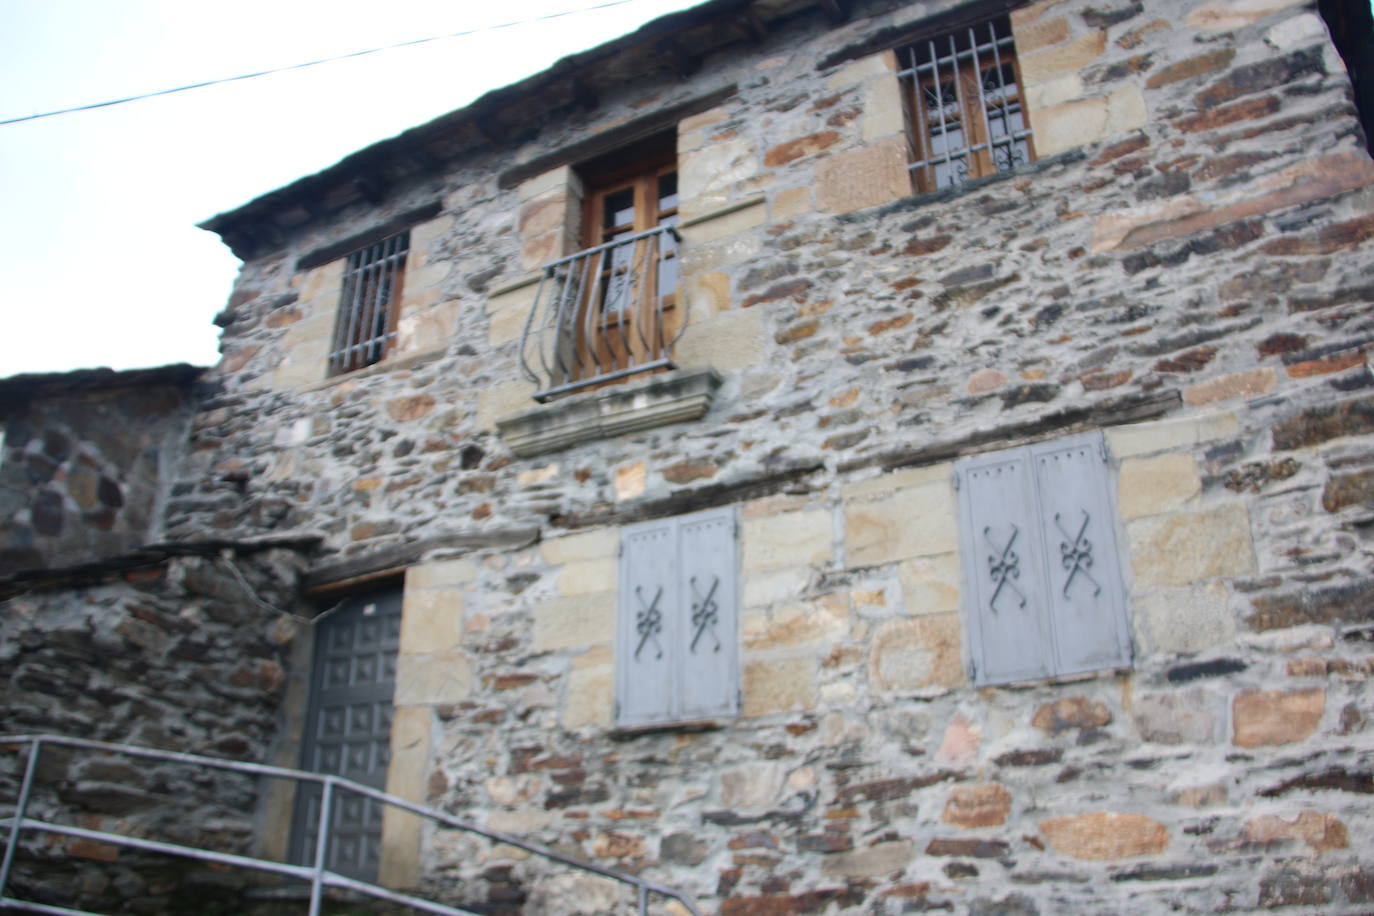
(313, 63)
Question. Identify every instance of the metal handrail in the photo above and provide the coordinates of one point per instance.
(319, 876)
(598, 314)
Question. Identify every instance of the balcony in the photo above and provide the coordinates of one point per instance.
(604, 314)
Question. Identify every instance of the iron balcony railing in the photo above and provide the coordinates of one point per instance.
(604, 313)
(319, 877)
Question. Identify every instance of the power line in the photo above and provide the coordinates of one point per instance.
(313, 63)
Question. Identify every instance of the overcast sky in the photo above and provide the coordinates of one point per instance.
(100, 260)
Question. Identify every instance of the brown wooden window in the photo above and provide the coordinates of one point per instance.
(629, 313)
(965, 110)
(370, 304)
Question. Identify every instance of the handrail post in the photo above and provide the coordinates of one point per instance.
(21, 807)
(321, 846)
(643, 899)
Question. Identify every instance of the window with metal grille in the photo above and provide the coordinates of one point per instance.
(369, 305)
(965, 112)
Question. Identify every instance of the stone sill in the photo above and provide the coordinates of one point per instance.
(657, 400)
(388, 364)
(1055, 680)
(626, 732)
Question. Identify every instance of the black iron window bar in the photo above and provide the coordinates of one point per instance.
(960, 88)
(601, 314)
(371, 292)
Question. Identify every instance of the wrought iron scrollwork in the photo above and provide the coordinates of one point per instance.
(705, 612)
(1076, 554)
(1004, 565)
(648, 622)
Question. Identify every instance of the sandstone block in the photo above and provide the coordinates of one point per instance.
(1057, 91)
(441, 677)
(440, 573)
(1179, 717)
(554, 180)
(601, 544)
(1191, 547)
(872, 861)
(977, 806)
(791, 203)
(323, 282)
(507, 313)
(863, 177)
(862, 70)
(823, 620)
(707, 176)
(961, 741)
(1206, 796)
(723, 222)
(1041, 33)
(590, 698)
(1153, 486)
(708, 294)
(1105, 835)
(769, 586)
(503, 400)
(1170, 435)
(883, 113)
(889, 482)
(731, 341)
(410, 407)
(1224, 15)
(930, 585)
(587, 576)
(1319, 830)
(913, 654)
(1077, 123)
(1066, 58)
(1071, 712)
(1238, 385)
(727, 252)
(779, 686)
(431, 620)
(1181, 620)
(755, 787)
(578, 620)
(1272, 717)
(630, 480)
(913, 522)
(803, 538)
(406, 776)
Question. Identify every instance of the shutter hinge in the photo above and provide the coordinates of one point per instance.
(956, 480)
(1102, 448)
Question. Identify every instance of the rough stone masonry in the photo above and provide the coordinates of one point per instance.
(1185, 267)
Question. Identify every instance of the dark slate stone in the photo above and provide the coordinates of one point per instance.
(1165, 872)
(1181, 674)
(1339, 779)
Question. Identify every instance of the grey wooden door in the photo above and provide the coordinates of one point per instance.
(348, 729)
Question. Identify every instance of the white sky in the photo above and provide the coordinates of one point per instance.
(100, 260)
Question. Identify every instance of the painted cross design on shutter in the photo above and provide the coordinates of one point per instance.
(677, 643)
(1041, 566)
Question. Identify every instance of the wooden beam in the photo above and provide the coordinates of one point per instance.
(754, 25)
(677, 58)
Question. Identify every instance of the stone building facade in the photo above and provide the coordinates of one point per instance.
(998, 544)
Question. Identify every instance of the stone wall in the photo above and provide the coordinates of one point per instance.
(84, 461)
(1185, 267)
(175, 655)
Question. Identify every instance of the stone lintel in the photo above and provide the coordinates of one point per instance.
(395, 559)
(672, 397)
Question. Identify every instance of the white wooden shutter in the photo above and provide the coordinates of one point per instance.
(1084, 593)
(708, 607)
(646, 624)
(1009, 639)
